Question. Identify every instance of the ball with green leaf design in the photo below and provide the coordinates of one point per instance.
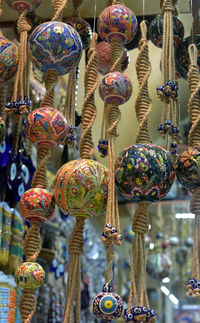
(80, 188)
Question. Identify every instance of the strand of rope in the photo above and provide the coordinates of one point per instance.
(51, 78)
(40, 175)
(143, 105)
(58, 6)
(69, 108)
(89, 108)
(77, 5)
(115, 2)
(32, 242)
(27, 305)
(194, 103)
(3, 98)
(75, 246)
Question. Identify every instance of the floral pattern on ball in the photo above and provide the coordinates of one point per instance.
(115, 88)
(37, 204)
(144, 173)
(156, 31)
(83, 28)
(107, 306)
(80, 188)
(188, 167)
(118, 22)
(8, 60)
(55, 46)
(29, 275)
(46, 126)
(21, 5)
(2, 130)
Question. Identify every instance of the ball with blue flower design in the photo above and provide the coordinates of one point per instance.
(144, 173)
(55, 46)
(29, 275)
(107, 306)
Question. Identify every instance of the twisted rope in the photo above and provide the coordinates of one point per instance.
(27, 305)
(76, 244)
(58, 6)
(143, 105)
(77, 4)
(89, 108)
(51, 79)
(40, 175)
(194, 102)
(32, 242)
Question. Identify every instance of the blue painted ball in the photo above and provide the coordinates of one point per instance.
(55, 46)
(107, 306)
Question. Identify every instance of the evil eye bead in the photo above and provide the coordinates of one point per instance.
(108, 226)
(120, 237)
(192, 281)
(198, 284)
(107, 288)
(113, 230)
(137, 310)
(107, 306)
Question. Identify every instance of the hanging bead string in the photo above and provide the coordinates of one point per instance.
(143, 105)
(194, 140)
(168, 91)
(76, 244)
(89, 108)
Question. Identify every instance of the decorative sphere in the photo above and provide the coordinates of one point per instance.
(2, 130)
(156, 31)
(80, 188)
(128, 234)
(29, 275)
(8, 60)
(118, 22)
(188, 166)
(104, 58)
(144, 173)
(55, 46)
(173, 241)
(21, 5)
(115, 88)
(107, 306)
(83, 28)
(182, 57)
(189, 242)
(37, 204)
(46, 126)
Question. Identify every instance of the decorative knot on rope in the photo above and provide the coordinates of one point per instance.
(110, 236)
(58, 6)
(22, 24)
(27, 305)
(40, 176)
(32, 243)
(76, 242)
(167, 6)
(140, 222)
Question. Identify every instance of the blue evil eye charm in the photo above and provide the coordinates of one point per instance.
(128, 316)
(107, 288)
(107, 306)
(192, 282)
(168, 124)
(4, 152)
(151, 316)
(109, 226)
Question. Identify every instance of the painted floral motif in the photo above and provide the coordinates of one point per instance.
(21, 5)
(8, 60)
(29, 275)
(156, 31)
(188, 168)
(55, 46)
(144, 173)
(37, 204)
(119, 22)
(46, 125)
(83, 28)
(107, 306)
(80, 188)
(116, 88)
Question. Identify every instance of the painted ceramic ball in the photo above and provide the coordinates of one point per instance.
(2, 130)
(128, 234)
(115, 88)
(118, 22)
(37, 204)
(21, 5)
(104, 58)
(55, 46)
(8, 60)
(188, 167)
(182, 57)
(144, 173)
(107, 306)
(80, 188)
(29, 275)
(83, 28)
(46, 126)
(156, 31)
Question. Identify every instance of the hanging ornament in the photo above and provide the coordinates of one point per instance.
(104, 58)
(144, 174)
(156, 31)
(83, 28)
(2, 130)
(8, 60)
(128, 234)
(187, 168)
(168, 91)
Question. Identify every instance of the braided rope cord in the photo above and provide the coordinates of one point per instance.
(89, 108)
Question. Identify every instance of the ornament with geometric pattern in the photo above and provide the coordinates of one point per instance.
(8, 60)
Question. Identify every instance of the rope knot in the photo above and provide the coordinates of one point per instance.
(22, 24)
(140, 222)
(76, 241)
